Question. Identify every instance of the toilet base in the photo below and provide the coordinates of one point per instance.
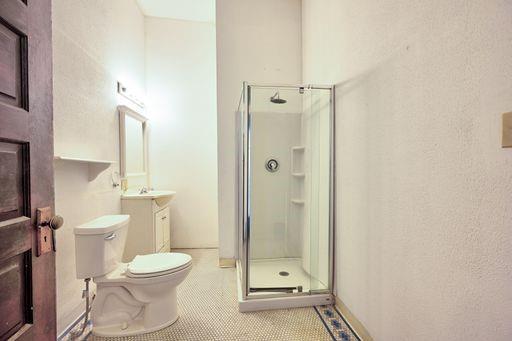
(135, 328)
(126, 306)
(116, 312)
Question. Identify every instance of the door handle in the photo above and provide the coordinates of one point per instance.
(46, 226)
(56, 222)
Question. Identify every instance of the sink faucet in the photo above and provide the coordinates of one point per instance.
(145, 189)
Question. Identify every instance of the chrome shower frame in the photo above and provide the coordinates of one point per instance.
(244, 194)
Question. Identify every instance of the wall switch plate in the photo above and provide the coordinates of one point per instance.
(506, 135)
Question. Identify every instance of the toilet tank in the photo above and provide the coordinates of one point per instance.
(99, 245)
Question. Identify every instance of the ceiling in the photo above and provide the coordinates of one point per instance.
(194, 10)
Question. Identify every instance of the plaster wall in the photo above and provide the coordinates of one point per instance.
(95, 44)
(424, 188)
(260, 42)
(181, 87)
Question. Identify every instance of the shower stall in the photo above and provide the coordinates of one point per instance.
(285, 196)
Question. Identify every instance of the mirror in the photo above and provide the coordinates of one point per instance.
(133, 142)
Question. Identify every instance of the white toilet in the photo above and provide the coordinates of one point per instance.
(131, 298)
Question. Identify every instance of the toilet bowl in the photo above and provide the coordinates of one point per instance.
(131, 298)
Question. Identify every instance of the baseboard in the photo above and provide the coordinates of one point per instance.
(356, 326)
(227, 262)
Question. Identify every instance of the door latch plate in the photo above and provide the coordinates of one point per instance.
(44, 233)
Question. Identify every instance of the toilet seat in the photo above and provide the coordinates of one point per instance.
(157, 264)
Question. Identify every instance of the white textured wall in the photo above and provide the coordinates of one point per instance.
(424, 189)
(181, 87)
(96, 43)
(257, 41)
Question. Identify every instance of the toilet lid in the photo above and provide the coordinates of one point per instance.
(157, 264)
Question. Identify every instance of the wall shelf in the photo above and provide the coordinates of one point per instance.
(75, 159)
(95, 166)
(298, 202)
(298, 148)
(298, 175)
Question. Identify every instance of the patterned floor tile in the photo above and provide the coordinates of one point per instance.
(208, 306)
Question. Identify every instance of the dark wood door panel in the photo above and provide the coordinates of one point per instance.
(13, 67)
(14, 304)
(15, 12)
(15, 277)
(14, 180)
(9, 58)
(27, 282)
(14, 70)
(15, 237)
(12, 123)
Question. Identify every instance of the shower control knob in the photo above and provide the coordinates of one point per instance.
(272, 165)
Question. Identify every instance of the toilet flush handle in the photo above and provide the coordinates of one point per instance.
(111, 236)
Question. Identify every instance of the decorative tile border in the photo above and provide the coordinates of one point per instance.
(335, 323)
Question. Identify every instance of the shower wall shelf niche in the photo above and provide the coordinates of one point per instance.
(297, 159)
(297, 172)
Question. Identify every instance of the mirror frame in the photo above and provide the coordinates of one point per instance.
(123, 112)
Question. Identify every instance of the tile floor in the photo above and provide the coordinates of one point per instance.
(208, 311)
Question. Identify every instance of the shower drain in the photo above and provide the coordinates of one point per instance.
(284, 273)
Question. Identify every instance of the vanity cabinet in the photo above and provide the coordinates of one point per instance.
(150, 228)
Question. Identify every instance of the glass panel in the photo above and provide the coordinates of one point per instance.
(289, 151)
(316, 138)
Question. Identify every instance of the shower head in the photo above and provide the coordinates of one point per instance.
(276, 99)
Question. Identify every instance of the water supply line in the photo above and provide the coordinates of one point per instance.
(85, 294)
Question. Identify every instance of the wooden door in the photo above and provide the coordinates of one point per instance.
(27, 281)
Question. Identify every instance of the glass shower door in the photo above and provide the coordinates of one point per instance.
(316, 135)
(288, 170)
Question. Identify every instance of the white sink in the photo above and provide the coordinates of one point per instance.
(161, 197)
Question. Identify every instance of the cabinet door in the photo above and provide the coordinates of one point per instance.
(159, 229)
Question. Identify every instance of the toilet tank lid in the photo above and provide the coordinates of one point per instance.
(103, 224)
